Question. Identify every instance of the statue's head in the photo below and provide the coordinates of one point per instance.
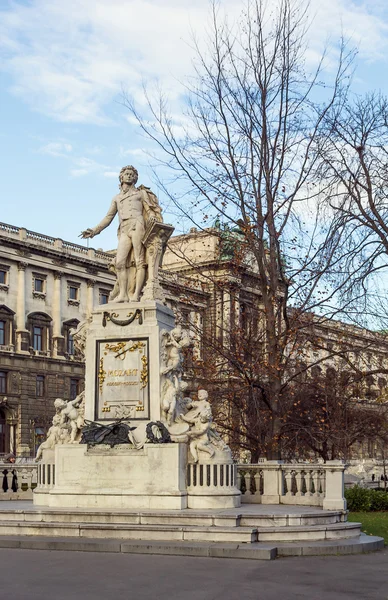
(176, 332)
(128, 174)
(59, 403)
(202, 395)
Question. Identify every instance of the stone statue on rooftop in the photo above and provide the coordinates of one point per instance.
(138, 208)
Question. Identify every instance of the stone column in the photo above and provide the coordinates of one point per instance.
(90, 299)
(22, 336)
(226, 321)
(58, 339)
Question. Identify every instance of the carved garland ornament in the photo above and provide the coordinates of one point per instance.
(122, 322)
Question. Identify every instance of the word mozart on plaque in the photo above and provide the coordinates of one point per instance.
(122, 387)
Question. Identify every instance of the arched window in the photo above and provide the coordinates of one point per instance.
(39, 328)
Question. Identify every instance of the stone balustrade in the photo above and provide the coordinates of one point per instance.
(27, 480)
(269, 482)
(56, 244)
(274, 482)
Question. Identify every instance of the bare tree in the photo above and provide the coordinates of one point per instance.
(355, 166)
(246, 153)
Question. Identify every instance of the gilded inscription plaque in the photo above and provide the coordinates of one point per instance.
(122, 389)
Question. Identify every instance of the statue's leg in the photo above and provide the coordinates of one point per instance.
(193, 450)
(139, 256)
(205, 447)
(123, 249)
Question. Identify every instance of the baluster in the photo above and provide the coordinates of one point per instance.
(257, 478)
(322, 481)
(238, 483)
(299, 482)
(316, 480)
(308, 480)
(288, 478)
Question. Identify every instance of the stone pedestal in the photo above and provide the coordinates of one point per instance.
(125, 354)
(117, 478)
(334, 485)
(123, 361)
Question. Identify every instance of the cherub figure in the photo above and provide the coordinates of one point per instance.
(199, 434)
(53, 437)
(173, 344)
(71, 414)
(170, 390)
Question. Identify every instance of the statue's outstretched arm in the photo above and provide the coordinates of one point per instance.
(107, 220)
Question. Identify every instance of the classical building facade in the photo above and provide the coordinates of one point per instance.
(48, 286)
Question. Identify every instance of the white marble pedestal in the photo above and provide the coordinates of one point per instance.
(117, 478)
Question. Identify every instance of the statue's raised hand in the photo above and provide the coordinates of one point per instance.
(88, 233)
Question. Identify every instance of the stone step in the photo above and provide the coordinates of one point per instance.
(290, 520)
(193, 532)
(182, 517)
(135, 532)
(254, 551)
(313, 532)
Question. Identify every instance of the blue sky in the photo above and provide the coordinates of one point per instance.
(64, 134)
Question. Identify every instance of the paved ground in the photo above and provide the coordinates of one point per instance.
(44, 575)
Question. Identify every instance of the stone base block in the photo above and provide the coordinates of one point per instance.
(119, 477)
(213, 501)
(338, 504)
(64, 498)
(270, 499)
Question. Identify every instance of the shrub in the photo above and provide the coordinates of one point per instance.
(379, 500)
(358, 499)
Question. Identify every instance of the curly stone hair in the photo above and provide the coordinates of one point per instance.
(134, 171)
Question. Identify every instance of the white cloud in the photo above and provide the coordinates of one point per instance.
(78, 165)
(78, 172)
(132, 152)
(70, 59)
(57, 149)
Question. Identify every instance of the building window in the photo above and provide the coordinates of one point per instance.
(73, 293)
(4, 273)
(70, 344)
(104, 297)
(39, 386)
(74, 388)
(38, 325)
(37, 338)
(3, 382)
(40, 435)
(6, 325)
(39, 286)
(69, 328)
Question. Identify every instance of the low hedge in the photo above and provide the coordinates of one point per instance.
(361, 499)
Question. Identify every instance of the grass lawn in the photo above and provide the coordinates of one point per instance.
(374, 523)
